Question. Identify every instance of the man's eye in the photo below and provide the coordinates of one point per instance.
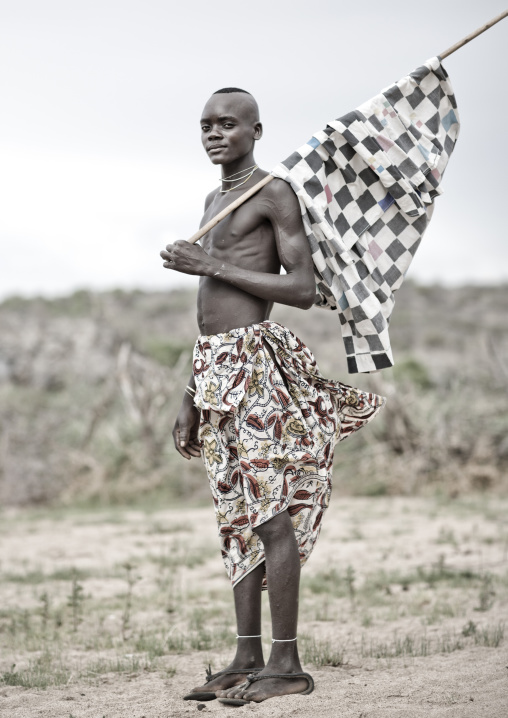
(228, 125)
(204, 128)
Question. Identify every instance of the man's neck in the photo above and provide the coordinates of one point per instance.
(238, 173)
(238, 166)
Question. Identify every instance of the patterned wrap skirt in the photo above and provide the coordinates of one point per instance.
(268, 431)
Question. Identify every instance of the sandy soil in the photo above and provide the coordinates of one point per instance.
(370, 535)
(469, 684)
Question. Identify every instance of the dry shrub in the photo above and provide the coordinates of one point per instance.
(85, 416)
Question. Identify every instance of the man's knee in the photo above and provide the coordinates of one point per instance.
(276, 529)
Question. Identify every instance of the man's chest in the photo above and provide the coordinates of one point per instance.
(243, 230)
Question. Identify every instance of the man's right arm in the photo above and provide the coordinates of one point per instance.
(185, 430)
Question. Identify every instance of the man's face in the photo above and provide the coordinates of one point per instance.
(229, 126)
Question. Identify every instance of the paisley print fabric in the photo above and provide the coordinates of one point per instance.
(268, 430)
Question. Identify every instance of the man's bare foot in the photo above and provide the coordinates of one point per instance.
(269, 688)
(228, 680)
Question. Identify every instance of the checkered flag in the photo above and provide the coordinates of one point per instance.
(366, 185)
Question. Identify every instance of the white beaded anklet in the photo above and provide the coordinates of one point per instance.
(284, 640)
(248, 636)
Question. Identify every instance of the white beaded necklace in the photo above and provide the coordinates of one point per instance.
(228, 178)
(245, 179)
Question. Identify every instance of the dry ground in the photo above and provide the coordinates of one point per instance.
(114, 614)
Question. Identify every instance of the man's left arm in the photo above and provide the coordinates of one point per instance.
(279, 205)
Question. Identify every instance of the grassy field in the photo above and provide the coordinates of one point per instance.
(121, 607)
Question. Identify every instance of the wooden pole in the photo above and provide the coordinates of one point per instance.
(230, 208)
(247, 195)
(472, 35)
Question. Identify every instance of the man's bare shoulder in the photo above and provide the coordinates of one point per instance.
(279, 189)
(278, 194)
(210, 197)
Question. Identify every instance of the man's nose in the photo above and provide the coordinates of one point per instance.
(215, 132)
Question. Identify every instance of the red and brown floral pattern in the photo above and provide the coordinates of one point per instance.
(268, 431)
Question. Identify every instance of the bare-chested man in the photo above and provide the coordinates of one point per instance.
(257, 409)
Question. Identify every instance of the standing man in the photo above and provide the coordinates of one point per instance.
(257, 408)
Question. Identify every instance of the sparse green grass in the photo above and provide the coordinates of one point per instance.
(126, 614)
(180, 554)
(159, 528)
(321, 653)
(153, 645)
(410, 645)
(446, 536)
(119, 664)
(331, 582)
(41, 672)
(438, 611)
(438, 573)
(47, 670)
(366, 620)
(323, 612)
(377, 588)
(486, 593)
(37, 575)
(489, 636)
(75, 602)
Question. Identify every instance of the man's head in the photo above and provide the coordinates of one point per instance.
(230, 125)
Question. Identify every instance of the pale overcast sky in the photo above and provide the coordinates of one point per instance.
(100, 156)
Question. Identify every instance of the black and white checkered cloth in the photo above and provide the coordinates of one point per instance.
(366, 185)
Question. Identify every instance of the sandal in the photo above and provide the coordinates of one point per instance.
(253, 678)
(210, 695)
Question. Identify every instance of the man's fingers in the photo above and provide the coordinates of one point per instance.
(180, 444)
(188, 451)
(185, 437)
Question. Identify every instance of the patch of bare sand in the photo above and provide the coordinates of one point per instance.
(466, 684)
(387, 538)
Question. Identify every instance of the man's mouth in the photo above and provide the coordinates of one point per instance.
(215, 147)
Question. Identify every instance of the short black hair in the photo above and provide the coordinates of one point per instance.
(230, 89)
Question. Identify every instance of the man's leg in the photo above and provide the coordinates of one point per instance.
(247, 593)
(249, 652)
(283, 577)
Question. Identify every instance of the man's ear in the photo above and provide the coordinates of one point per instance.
(258, 131)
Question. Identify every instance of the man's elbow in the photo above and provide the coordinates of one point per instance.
(305, 297)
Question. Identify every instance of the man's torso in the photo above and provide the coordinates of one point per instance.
(246, 239)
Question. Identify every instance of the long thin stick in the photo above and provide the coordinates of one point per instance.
(230, 208)
(246, 195)
(472, 35)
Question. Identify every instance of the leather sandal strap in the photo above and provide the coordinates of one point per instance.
(212, 677)
(307, 676)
